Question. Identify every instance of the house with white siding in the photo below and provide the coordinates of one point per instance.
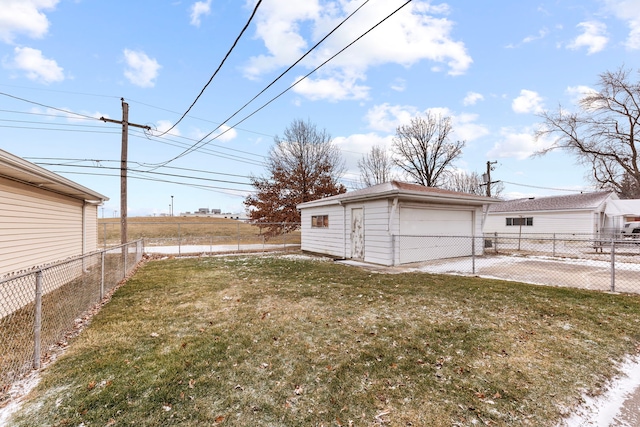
(394, 223)
(576, 214)
(44, 217)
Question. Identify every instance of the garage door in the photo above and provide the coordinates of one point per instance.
(427, 234)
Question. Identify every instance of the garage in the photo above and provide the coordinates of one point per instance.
(394, 223)
(434, 233)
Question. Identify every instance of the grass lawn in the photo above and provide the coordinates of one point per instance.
(290, 341)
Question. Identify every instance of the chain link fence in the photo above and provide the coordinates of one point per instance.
(39, 308)
(200, 237)
(606, 264)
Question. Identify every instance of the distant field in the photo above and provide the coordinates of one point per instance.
(186, 230)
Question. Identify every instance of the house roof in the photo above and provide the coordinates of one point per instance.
(623, 207)
(17, 169)
(404, 191)
(582, 201)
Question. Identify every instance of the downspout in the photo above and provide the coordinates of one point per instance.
(344, 230)
(392, 214)
(84, 227)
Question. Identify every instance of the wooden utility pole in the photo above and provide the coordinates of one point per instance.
(123, 165)
(488, 177)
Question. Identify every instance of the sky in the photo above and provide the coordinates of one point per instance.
(492, 67)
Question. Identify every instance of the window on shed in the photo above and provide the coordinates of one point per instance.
(321, 221)
(520, 221)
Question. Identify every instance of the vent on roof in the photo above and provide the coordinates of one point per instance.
(531, 198)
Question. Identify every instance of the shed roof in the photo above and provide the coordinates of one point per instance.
(404, 191)
(582, 201)
(17, 169)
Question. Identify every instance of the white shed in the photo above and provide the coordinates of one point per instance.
(393, 223)
(579, 214)
(44, 217)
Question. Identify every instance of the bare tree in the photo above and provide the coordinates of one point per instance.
(604, 132)
(375, 167)
(472, 183)
(303, 166)
(423, 149)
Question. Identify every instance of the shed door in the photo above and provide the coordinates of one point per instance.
(357, 234)
(427, 234)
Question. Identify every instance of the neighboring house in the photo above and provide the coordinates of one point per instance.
(386, 224)
(44, 217)
(579, 214)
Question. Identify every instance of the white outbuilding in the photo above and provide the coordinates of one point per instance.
(394, 223)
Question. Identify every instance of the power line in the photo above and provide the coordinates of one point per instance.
(542, 188)
(47, 106)
(255, 9)
(142, 171)
(195, 146)
(71, 161)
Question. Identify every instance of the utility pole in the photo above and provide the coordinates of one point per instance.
(123, 165)
(487, 176)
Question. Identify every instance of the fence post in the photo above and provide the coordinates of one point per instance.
(238, 236)
(284, 240)
(495, 241)
(102, 276)
(613, 265)
(104, 234)
(211, 245)
(473, 254)
(179, 241)
(37, 323)
(554, 244)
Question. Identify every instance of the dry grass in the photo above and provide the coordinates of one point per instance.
(287, 341)
(189, 230)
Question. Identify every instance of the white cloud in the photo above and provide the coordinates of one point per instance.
(578, 92)
(24, 17)
(472, 98)
(541, 34)
(36, 66)
(386, 117)
(399, 85)
(528, 102)
(198, 9)
(337, 88)
(628, 11)
(353, 147)
(164, 125)
(227, 133)
(420, 31)
(518, 144)
(142, 70)
(594, 37)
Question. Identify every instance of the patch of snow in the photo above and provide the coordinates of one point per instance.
(17, 392)
(606, 409)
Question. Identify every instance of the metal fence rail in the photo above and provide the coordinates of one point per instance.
(38, 308)
(592, 263)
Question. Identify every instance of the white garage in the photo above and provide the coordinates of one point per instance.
(394, 223)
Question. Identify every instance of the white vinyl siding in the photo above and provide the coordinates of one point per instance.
(323, 240)
(544, 222)
(37, 227)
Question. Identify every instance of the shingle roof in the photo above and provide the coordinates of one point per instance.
(582, 201)
(404, 190)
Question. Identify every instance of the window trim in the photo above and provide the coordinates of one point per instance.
(319, 221)
(526, 221)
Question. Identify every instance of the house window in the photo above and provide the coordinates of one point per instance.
(320, 221)
(520, 221)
